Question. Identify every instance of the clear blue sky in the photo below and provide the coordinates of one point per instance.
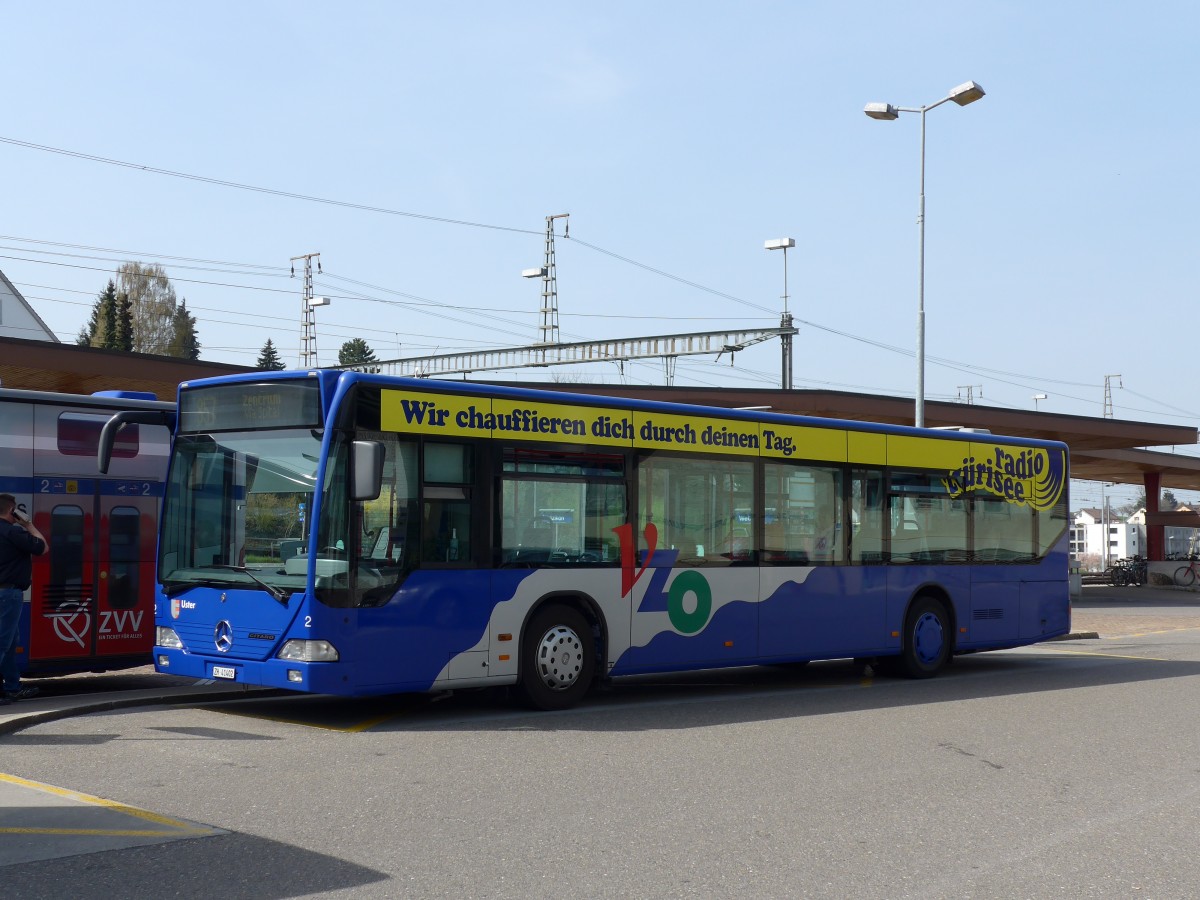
(1061, 224)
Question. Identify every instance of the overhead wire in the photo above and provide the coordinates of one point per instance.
(339, 328)
(293, 195)
(424, 306)
(140, 254)
(157, 170)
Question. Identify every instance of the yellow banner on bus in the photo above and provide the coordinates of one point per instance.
(1027, 476)
(464, 416)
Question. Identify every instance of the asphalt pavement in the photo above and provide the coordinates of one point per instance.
(71, 695)
(1101, 610)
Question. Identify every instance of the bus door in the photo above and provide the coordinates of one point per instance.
(93, 594)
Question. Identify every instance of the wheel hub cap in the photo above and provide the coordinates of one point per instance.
(929, 638)
(560, 658)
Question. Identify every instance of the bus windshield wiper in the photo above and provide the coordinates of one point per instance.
(277, 593)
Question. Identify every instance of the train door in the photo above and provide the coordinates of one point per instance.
(92, 600)
(93, 594)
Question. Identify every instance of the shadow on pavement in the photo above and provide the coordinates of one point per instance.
(229, 866)
(727, 696)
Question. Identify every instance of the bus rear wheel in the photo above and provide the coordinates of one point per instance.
(927, 639)
(558, 658)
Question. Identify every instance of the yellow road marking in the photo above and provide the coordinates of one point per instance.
(352, 729)
(1148, 633)
(176, 824)
(1106, 655)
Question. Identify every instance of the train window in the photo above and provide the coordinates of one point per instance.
(66, 549)
(123, 543)
(79, 435)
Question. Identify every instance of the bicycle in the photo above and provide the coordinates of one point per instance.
(1127, 571)
(1185, 576)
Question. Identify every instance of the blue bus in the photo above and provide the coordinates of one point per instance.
(358, 534)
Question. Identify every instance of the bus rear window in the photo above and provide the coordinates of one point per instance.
(79, 435)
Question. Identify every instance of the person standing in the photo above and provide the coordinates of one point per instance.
(20, 541)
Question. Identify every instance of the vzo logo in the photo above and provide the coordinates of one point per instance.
(659, 596)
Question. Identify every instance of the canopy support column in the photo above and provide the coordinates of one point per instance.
(1154, 532)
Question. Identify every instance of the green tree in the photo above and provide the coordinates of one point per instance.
(269, 358)
(95, 333)
(124, 335)
(108, 322)
(184, 343)
(1167, 501)
(356, 354)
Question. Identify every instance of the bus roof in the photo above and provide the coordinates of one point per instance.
(334, 382)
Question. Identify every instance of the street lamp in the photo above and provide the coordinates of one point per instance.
(786, 321)
(308, 349)
(1036, 398)
(962, 95)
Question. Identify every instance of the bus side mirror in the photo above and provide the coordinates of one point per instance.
(368, 470)
(108, 434)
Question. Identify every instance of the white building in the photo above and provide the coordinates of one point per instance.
(17, 318)
(1097, 541)
(1177, 542)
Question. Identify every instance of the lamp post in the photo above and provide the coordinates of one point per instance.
(786, 320)
(1036, 398)
(962, 95)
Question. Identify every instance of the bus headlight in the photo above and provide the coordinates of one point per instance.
(308, 651)
(166, 637)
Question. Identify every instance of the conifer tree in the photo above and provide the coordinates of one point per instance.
(355, 352)
(95, 333)
(124, 333)
(184, 343)
(138, 312)
(108, 321)
(269, 358)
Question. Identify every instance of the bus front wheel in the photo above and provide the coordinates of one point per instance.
(927, 639)
(558, 658)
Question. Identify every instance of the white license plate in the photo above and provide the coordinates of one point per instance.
(224, 672)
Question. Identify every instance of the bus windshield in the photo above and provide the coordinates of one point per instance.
(236, 509)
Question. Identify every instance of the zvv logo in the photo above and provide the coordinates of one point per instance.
(121, 621)
(73, 622)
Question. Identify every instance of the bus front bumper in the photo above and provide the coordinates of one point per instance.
(317, 678)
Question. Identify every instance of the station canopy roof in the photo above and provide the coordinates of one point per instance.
(1102, 449)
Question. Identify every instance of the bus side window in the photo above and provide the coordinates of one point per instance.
(449, 472)
(866, 517)
(802, 521)
(559, 507)
(694, 505)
